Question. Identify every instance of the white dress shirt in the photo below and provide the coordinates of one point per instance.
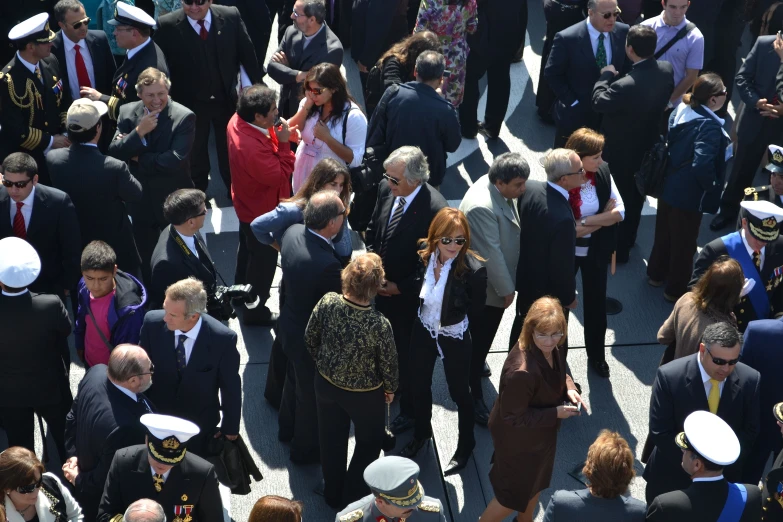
(750, 250)
(165, 475)
(408, 201)
(27, 209)
(132, 52)
(70, 61)
(191, 242)
(127, 392)
(558, 188)
(191, 334)
(709, 479)
(594, 34)
(589, 207)
(706, 378)
(328, 241)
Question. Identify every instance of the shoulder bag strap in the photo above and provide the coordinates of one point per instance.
(95, 324)
(345, 123)
(682, 33)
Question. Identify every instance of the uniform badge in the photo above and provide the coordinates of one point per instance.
(777, 157)
(121, 86)
(770, 222)
(184, 498)
(182, 513)
(749, 190)
(58, 87)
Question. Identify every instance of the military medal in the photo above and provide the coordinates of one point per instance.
(182, 513)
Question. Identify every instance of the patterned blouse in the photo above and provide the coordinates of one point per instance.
(352, 345)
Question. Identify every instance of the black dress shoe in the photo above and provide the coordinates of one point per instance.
(413, 447)
(482, 129)
(721, 221)
(486, 372)
(402, 424)
(480, 412)
(459, 460)
(601, 368)
(469, 135)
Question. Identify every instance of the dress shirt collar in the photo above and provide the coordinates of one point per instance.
(747, 246)
(640, 61)
(328, 241)
(192, 333)
(126, 391)
(132, 52)
(265, 132)
(15, 294)
(709, 479)
(30, 66)
(69, 44)
(28, 201)
(702, 371)
(678, 26)
(207, 22)
(308, 38)
(165, 475)
(560, 189)
(409, 198)
(89, 144)
(593, 31)
(190, 241)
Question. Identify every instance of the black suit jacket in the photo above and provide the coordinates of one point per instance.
(163, 164)
(324, 47)
(191, 482)
(571, 71)
(702, 502)
(547, 246)
(53, 231)
(123, 84)
(677, 392)
(33, 326)
(99, 187)
(234, 48)
(632, 106)
(213, 367)
(102, 420)
(258, 23)
(171, 263)
(376, 25)
(103, 62)
(756, 79)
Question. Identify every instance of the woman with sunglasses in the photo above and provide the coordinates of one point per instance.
(453, 287)
(535, 394)
(698, 150)
(332, 124)
(31, 494)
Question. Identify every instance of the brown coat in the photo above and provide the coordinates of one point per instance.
(687, 323)
(524, 425)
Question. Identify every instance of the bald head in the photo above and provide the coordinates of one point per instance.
(144, 510)
(126, 363)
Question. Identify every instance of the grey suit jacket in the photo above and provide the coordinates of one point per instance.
(566, 506)
(324, 47)
(494, 228)
(756, 80)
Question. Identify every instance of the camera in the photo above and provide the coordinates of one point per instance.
(219, 302)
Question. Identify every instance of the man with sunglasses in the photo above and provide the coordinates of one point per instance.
(105, 418)
(714, 380)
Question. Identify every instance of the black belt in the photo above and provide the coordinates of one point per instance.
(583, 241)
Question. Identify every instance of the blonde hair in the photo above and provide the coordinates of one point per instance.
(544, 315)
(363, 276)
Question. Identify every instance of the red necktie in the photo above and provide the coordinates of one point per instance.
(19, 229)
(203, 32)
(81, 69)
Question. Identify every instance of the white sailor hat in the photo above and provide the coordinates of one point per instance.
(125, 14)
(35, 29)
(85, 114)
(19, 263)
(764, 219)
(709, 436)
(775, 159)
(167, 437)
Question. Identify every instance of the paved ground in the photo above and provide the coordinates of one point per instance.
(619, 404)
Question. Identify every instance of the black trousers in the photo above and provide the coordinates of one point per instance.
(456, 364)
(217, 115)
(401, 313)
(558, 17)
(256, 265)
(594, 276)
(20, 425)
(676, 237)
(337, 408)
(634, 204)
(482, 330)
(275, 377)
(498, 71)
(297, 408)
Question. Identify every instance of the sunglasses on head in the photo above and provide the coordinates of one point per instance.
(197, 2)
(24, 490)
(17, 184)
(391, 179)
(83, 21)
(316, 90)
(613, 14)
(458, 240)
(722, 362)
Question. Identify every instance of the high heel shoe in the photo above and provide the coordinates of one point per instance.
(413, 447)
(459, 460)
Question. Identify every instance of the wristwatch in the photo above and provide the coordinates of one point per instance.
(584, 221)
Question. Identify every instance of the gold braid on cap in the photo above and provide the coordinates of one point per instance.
(167, 460)
(764, 234)
(407, 500)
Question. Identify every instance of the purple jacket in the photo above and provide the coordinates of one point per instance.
(126, 313)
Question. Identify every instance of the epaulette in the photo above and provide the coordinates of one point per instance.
(755, 191)
(117, 518)
(353, 516)
(432, 507)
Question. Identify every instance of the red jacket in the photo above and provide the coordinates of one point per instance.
(261, 169)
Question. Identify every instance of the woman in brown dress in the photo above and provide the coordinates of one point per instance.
(526, 417)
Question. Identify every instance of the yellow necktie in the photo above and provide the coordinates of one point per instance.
(714, 398)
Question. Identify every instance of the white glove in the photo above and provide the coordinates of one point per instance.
(747, 287)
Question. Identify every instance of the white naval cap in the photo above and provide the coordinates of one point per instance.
(165, 426)
(764, 219)
(32, 29)
(775, 159)
(125, 14)
(711, 437)
(19, 263)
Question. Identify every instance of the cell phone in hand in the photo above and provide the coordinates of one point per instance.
(579, 406)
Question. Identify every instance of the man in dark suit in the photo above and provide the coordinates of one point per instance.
(258, 22)
(132, 29)
(417, 115)
(184, 484)
(712, 380)
(631, 107)
(708, 445)
(99, 186)
(311, 269)
(185, 210)
(195, 358)
(403, 213)
(205, 45)
(548, 237)
(105, 418)
(32, 96)
(305, 44)
(575, 62)
(46, 218)
(761, 352)
(155, 136)
(758, 124)
(376, 25)
(34, 327)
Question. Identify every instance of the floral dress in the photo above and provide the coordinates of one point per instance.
(452, 23)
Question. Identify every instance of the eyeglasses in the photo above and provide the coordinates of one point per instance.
(17, 184)
(202, 213)
(721, 362)
(296, 15)
(724, 92)
(123, 29)
(580, 171)
(391, 179)
(543, 337)
(316, 90)
(458, 240)
(613, 14)
(191, 2)
(152, 371)
(83, 21)
(24, 490)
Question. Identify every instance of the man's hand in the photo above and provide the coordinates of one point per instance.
(229, 437)
(772, 111)
(389, 288)
(572, 306)
(147, 124)
(89, 92)
(301, 75)
(280, 57)
(59, 141)
(609, 68)
(508, 299)
(283, 131)
(71, 470)
(362, 68)
(778, 45)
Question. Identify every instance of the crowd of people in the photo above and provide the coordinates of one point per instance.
(105, 147)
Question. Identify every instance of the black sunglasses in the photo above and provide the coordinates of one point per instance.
(202, 213)
(724, 92)
(721, 362)
(458, 240)
(191, 2)
(83, 21)
(152, 371)
(17, 184)
(24, 490)
(391, 179)
(606, 16)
